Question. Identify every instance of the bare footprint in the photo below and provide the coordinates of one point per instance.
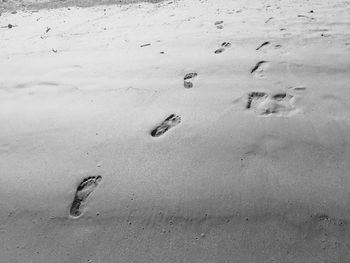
(219, 24)
(259, 69)
(224, 45)
(84, 189)
(168, 123)
(189, 76)
(219, 50)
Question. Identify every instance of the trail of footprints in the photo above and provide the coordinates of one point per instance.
(261, 103)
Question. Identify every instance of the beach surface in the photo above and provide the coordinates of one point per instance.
(179, 131)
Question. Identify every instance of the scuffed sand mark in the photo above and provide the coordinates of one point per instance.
(265, 104)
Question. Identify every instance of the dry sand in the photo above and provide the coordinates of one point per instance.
(253, 168)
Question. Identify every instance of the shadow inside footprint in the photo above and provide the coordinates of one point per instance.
(168, 123)
(189, 76)
(226, 44)
(254, 96)
(84, 189)
(219, 24)
(188, 84)
(258, 66)
(279, 96)
(262, 45)
(219, 50)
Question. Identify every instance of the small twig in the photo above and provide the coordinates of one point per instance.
(268, 20)
(145, 45)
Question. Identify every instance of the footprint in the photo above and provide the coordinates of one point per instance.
(85, 188)
(168, 123)
(189, 76)
(219, 24)
(264, 104)
(259, 69)
(263, 44)
(224, 45)
(188, 84)
(219, 50)
(254, 97)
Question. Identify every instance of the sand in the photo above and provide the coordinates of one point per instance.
(253, 165)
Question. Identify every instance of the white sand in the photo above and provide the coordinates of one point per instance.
(227, 184)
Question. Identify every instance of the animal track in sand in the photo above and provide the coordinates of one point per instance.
(219, 24)
(84, 190)
(168, 123)
(259, 69)
(266, 104)
(189, 76)
(224, 45)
